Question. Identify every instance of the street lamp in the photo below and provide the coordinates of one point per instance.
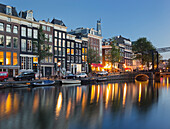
(59, 64)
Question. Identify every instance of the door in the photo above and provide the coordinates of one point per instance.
(10, 72)
(47, 71)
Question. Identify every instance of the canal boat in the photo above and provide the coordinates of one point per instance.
(71, 81)
(101, 79)
(43, 83)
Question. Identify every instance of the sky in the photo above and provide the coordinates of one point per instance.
(130, 18)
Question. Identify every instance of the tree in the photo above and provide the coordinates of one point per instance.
(113, 55)
(93, 57)
(41, 48)
(143, 50)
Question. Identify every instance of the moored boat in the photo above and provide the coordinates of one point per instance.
(71, 82)
(44, 83)
(2, 86)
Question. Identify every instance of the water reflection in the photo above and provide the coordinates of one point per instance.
(74, 107)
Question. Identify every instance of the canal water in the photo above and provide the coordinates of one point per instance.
(115, 105)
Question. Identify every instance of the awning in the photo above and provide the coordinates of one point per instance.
(96, 65)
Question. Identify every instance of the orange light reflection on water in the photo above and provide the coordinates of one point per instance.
(124, 93)
(59, 104)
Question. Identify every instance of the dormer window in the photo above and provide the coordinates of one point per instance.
(8, 10)
(29, 15)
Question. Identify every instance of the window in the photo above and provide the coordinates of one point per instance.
(8, 10)
(63, 63)
(79, 52)
(44, 27)
(1, 26)
(72, 58)
(55, 51)
(8, 41)
(85, 50)
(72, 44)
(35, 34)
(8, 28)
(68, 67)
(46, 59)
(1, 40)
(68, 58)
(76, 59)
(8, 58)
(50, 59)
(79, 45)
(50, 49)
(48, 28)
(82, 50)
(55, 33)
(23, 31)
(59, 34)
(29, 62)
(29, 33)
(23, 45)
(59, 42)
(35, 47)
(50, 38)
(1, 58)
(79, 59)
(15, 60)
(64, 35)
(55, 42)
(55, 60)
(68, 51)
(64, 52)
(59, 51)
(29, 46)
(23, 62)
(83, 58)
(72, 51)
(68, 44)
(35, 59)
(46, 37)
(15, 42)
(15, 29)
(63, 43)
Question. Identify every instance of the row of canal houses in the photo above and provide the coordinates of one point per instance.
(19, 30)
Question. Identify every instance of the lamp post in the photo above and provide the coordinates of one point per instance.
(59, 64)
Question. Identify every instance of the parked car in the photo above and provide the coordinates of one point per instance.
(25, 76)
(81, 75)
(3, 76)
(101, 73)
(69, 76)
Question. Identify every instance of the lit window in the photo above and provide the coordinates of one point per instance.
(72, 51)
(8, 58)
(46, 59)
(1, 58)
(29, 46)
(55, 33)
(82, 50)
(15, 42)
(55, 60)
(85, 58)
(35, 34)
(23, 31)
(23, 45)
(29, 33)
(64, 35)
(8, 28)
(44, 27)
(59, 34)
(1, 26)
(68, 51)
(50, 38)
(35, 59)
(63, 43)
(8, 41)
(48, 28)
(23, 62)
(85, 50)
(15, 60)
(1, 40)
(55, 42)
(59, 43)
(15, 29)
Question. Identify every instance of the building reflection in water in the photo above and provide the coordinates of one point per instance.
(79, 105)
